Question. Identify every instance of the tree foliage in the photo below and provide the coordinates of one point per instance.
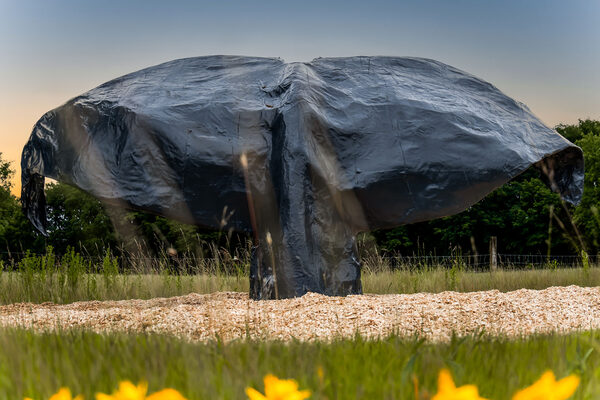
(16, 233)
(76, 219)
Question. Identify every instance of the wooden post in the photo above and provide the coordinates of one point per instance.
(474, 250)
(493, 253)
(549, 240)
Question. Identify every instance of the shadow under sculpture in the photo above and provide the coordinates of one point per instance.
(304, 155)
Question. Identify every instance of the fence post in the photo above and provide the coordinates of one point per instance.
(493, 253)
(474, 250)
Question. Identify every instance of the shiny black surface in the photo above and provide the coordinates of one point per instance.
(334, 147)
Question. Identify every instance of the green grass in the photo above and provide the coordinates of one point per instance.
(55, 287)
(72, 277)
(64, 286)
(37, 364)
(438, 280)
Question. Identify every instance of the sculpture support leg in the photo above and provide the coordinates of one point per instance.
(309, 219)
(312, 247)
(334, 274)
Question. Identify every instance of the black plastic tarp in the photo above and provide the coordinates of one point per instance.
(333, 147)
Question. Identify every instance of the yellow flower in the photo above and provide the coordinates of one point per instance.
(166, 394)
(547, 388)
(129, 391)
(447, 390)
(62, 394)
(126, 391)
(278, 389)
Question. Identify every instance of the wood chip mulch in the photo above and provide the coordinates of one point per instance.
(230, 315)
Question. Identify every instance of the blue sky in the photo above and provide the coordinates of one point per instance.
(543, 53)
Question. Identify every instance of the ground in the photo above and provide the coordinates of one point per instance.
(202, 335)
(230, 315)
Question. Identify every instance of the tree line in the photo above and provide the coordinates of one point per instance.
(524, 215)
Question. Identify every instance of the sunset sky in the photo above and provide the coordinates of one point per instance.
(543, 53)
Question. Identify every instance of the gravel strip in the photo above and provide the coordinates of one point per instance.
(230, 315)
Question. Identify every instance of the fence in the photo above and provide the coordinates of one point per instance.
(483, 262)
(228, 263)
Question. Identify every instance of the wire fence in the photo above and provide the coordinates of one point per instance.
(226, 261)
(482, 262)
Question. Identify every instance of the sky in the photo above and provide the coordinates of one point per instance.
(545, 54)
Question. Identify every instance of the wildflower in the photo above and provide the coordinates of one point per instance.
(166, 394)
(447, 390)
(62, 394)
(129, 391)
(548, 388)
(278, 389)
(126, 391)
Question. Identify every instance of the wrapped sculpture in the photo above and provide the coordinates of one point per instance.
(304, 155)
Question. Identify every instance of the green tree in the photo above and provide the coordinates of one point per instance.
(16, 234)
(586, 215)
(6, 173)
(76, 219)
(574, 132)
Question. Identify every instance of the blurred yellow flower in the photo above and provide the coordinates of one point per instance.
(62, 394)
(320, 373)
(129, 391)
(447, 390)
(548, 388)
(278, 389)
(126, 391)
(166, 394)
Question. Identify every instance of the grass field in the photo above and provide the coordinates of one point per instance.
(37, 364)
(64, 286)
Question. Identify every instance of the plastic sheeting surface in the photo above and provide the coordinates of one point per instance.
(333, 147)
